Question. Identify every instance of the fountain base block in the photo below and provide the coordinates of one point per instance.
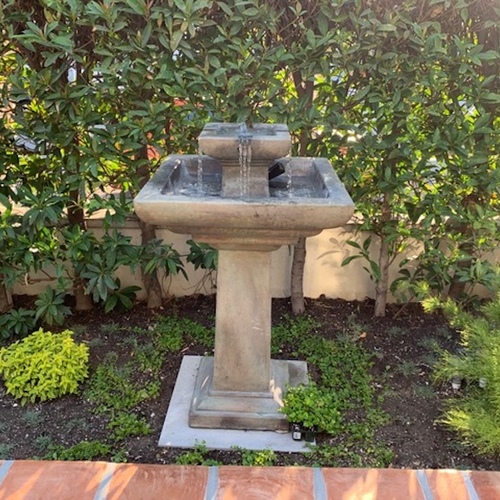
(215, 409)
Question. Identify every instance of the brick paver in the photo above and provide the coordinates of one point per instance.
(33, 480)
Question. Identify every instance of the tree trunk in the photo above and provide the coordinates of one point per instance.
(383, 283)
(151, 283)
(457, 288)
(76, 216)
(382, 286)
(5, 298)
(304, 88)
(83, 302)
(297, 277)
(148, 232)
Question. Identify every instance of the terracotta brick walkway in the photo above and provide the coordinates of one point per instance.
(101, 480)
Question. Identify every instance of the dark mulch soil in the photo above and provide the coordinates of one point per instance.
(402, 354)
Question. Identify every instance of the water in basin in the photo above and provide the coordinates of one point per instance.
(300, 179)
(233, 130)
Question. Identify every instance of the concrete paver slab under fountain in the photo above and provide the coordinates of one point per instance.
(176, 432)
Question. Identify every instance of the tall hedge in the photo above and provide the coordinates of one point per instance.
(404, 101)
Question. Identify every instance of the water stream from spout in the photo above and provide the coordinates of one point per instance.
(245, 158)
(289, 186)
(199, 172)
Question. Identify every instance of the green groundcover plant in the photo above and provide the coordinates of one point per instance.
(43, 366)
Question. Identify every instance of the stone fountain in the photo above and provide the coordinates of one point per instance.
(224, 197)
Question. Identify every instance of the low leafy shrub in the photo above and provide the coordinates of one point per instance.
(51, 308)
(292, 332)
(313, 407)
(44, 366)
(202, 255)
(169, 333)
(17, 323)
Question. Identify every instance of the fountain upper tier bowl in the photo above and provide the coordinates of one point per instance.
(222, 140)
(184, 196)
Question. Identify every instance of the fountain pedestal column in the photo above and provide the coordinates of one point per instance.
(241, 387)
(243, 322)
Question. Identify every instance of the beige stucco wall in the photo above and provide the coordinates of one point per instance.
(323, 273)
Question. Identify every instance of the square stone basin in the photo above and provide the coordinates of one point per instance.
(184, 196)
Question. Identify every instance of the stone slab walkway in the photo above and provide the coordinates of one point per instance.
(27, 479)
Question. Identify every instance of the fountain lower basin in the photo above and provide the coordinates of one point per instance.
(303, 201)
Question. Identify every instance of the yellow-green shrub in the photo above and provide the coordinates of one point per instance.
(43, 366)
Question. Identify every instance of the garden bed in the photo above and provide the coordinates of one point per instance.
(401, 347)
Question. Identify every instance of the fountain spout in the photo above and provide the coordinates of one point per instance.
(243, 133)
(245, 155)
(245, 160)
